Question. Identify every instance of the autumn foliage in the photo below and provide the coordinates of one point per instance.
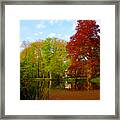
(84, 50)
(53, 61)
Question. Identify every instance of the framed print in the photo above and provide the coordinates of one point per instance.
(59, 59)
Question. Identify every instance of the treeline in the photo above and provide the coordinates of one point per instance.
(43, 59)
(40, 63)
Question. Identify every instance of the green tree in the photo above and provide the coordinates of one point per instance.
(44, 59)
(54, 57)
(31, 59)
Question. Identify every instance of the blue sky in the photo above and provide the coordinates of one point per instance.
(33, 30)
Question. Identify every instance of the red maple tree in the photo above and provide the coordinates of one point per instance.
(84, 50)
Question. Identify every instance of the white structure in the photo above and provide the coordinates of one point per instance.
(67, 85)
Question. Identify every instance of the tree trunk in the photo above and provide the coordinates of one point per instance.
(50, 80)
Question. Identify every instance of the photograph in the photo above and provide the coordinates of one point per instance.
(59, 59)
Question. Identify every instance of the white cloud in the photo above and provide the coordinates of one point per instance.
(59, 35)
(40, 26)
(67, 36)
(28, 38)
(74, 25)
(36, 34)
(53, 21)
(52, 35)
(39, 33)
